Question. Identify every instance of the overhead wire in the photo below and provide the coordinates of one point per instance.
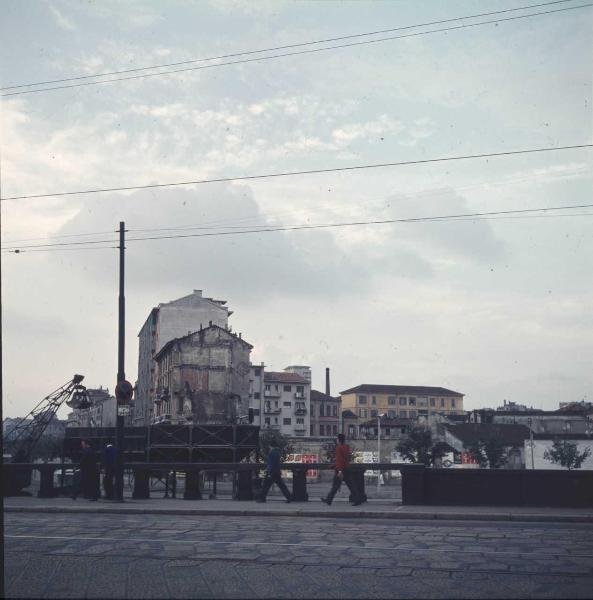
(449, 217)
(295, 53)
(304, 172)
(284, 47)
(327, 207)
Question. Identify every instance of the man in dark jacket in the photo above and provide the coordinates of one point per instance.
(273, 474)
(89, 474)
(343, 473)
(108, 461)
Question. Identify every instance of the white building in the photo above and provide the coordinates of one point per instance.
(535, 459)
(284, 401)
(101, 413)
(166, 322)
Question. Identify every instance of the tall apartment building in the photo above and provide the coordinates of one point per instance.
(165, 322)
(286, 403)
(404, 401)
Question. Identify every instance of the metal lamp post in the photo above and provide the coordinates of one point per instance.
(379, 417)
(531, 441)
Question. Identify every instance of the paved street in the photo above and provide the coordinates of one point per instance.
(176, 556)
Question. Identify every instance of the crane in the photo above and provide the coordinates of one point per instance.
(23, 437)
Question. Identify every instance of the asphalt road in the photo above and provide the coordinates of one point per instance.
(155, 556)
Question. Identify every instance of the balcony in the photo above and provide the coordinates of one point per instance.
(299, 395)
(271, 394)
(271, 410)
(300, 408)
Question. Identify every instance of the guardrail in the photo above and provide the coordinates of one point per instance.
(245, 477)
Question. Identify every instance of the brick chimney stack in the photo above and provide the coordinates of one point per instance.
(327, 388)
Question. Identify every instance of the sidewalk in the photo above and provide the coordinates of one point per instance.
(373, 509)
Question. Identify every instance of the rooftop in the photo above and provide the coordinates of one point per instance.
(470, 433)
(418, 390)
(283, 377)
(317, 396)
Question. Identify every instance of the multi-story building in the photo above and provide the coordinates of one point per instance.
(325, 414)
(367, 401)
(203, 377)
(256, 392)
(165, 322)
(286, 403)
(55, 428)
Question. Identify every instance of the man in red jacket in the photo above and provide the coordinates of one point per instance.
(343, 473)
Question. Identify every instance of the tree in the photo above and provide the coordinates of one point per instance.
(489, 451)
(47, 447)
(566, 454)
(419, 447)
(283, 442)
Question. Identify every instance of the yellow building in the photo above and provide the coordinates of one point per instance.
(404, 401)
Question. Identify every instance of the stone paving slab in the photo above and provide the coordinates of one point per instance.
(374, 509)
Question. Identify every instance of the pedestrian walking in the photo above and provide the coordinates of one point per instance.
(343, 474)
(273, 474)
(88, 482)
(108, 461)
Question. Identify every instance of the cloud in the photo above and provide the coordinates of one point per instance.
(60, 19)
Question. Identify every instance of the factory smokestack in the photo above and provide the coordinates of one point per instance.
(327, 388)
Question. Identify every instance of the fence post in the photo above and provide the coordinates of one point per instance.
(357, 475)
(244, 485)
(46, 485)
(192, 486)
(413, 484)
(299, 484)
(141, 483)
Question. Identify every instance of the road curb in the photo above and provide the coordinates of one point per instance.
(425, 516)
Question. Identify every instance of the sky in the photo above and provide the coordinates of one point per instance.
(497, 309)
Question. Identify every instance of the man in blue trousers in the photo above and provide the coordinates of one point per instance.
(273, 474)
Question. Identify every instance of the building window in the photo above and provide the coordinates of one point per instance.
(300, 389)
(312, 430)
(312, 410)
(335, 428)
(287, 388)
(268, 387)
(362, 413)
(422, 402)
(442, 402)
(433, 402)
(452, 402)
(287, 421)
(276, 387)
(321, 410)
(335, 410)
(322, 430)
(257, 372)
(256, 412)
(391, 400)
(276, 403)
(412, 401)
(289, 404)
(374, 400)
(350, 430)
(387, 432)
(403, 414)
(391, 414)
(275, 420)
(373, 412)
(267, 420)
(362, 399)
(257, 395)
(412, 414)
(300, 421)
(403, 401)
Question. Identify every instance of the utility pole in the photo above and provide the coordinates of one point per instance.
(121, 330)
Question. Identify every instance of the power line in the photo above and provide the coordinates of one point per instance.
(285, 54)
(364, 202)
(291, 173)
(318, 226)
(284, 47)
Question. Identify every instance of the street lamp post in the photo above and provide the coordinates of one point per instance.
(379, 417)
(531, 441)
